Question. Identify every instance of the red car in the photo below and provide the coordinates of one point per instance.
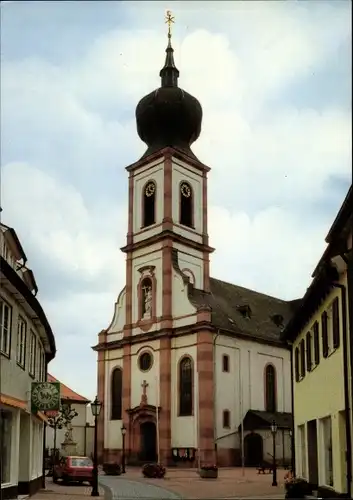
(70, 469)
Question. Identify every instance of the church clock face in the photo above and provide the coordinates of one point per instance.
(45, 396)
(150, 189)
(185, 190)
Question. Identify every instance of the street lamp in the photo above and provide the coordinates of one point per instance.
(274, 466)
(123, 432)
(96, 407)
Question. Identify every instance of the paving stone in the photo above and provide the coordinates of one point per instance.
(232, 484)
(119, 488)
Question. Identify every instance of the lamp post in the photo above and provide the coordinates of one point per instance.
(123, 432)
(96, 407)
(274, 465)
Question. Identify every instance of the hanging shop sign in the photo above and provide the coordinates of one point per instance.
(45, 396)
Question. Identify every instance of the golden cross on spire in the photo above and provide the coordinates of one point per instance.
(169, 19)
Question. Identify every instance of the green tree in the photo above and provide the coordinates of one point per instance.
(63, 417)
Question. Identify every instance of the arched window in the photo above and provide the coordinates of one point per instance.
(146, 298)
(149, 204)
(225, 363)
(186, 205)
(226, 419)
(117, 394)
(185, 387)
(270, 389)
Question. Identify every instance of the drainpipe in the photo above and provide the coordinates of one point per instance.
(346, 387)
(85, 439)
(348, 259)
(44, 450)
(44, 430)
(292, 438)
(214, 397)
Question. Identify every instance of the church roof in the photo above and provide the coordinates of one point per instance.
(246, 312)
(255, 420)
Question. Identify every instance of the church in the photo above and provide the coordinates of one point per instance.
(191, 367)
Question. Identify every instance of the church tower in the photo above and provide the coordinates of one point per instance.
(167, 258)
(167, 219)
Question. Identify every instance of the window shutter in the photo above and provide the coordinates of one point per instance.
(324, 334)
(296, 364)
(335, 323)
(308, 352)
(316, 343)
(302, 358)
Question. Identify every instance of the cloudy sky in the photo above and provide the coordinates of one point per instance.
(274, 81)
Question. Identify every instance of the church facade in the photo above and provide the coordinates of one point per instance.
(193, 367)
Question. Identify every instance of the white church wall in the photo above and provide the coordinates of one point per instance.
(242, 388)
(227, 390)
(280, 359)
(153, 171)
(182, 428)
(191, 259)
(115, 330)
(151, 376)
(112, 428)
(181, 304)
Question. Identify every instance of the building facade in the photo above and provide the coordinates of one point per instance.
(321, 337)
(27, 345)
(192, 366)
(82, 428)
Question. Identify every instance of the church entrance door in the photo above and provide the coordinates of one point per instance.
(253, 447)
(148, 442)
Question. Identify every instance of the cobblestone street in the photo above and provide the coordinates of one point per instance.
(178, 484)
(123, 488)
(185, 483)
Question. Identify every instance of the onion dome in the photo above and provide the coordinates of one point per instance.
(169, 116)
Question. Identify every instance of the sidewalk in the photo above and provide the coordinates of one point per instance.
(61, 492)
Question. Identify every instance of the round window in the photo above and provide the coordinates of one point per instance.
(145, 361)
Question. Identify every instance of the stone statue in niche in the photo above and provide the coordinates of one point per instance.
(147, 301)
(68, 434)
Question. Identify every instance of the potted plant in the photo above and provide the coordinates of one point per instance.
(208, 471)
(111, 469)
(296, 488)
(153, 471)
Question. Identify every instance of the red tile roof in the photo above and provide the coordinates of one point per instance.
(66, 392)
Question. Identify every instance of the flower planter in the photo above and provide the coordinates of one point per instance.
(296, 489)
(153, 471)
(208, 474)
(112, 469)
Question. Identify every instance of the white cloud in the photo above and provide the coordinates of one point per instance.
(54, 219)
(66, 127)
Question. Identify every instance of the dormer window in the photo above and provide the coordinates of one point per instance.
(277, 319)
(244, 310)
(149, 204)
(186, 205)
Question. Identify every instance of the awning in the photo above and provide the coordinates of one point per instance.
(255, 420)
(14, 402)
(21, 405)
